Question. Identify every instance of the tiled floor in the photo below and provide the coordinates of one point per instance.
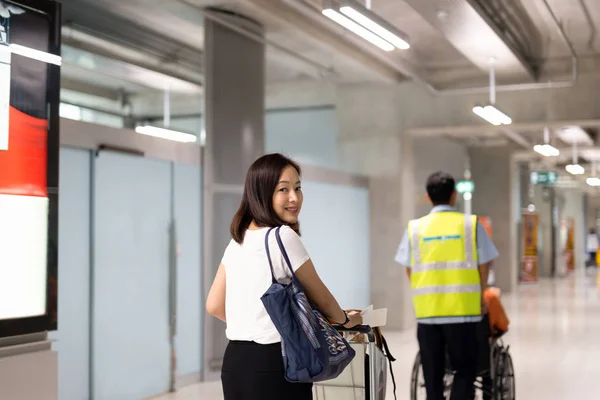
(554, 339)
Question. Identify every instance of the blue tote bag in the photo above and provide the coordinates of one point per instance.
(312, 349)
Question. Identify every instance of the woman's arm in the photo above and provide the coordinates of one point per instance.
(318, 293)
(215, 302)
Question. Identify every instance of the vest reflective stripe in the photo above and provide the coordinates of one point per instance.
(445, 279)
(441, 266)
(470, 240)
(447, 289)
(416, 248)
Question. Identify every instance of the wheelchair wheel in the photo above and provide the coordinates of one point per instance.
(417, 381)
(504, 381)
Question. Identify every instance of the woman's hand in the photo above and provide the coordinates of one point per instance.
(355, 319)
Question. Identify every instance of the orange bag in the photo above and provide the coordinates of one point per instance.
(498, 319)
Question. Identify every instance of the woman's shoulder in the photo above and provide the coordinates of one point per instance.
(232, 243)
(286, 232)
(232, 246)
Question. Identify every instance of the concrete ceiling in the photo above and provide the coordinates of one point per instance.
(451, 41)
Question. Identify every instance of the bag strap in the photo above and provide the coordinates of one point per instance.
(283, 252)
(390, 358)
(274, 280)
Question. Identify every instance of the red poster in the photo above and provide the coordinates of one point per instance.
(23, 166)
(529, 247)
(570, 245)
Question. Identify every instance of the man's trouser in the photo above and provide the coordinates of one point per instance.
(484, 365)
(461, 344)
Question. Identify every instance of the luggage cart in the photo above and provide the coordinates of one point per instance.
(365, 378)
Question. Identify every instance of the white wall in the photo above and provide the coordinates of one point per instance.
(309, 136)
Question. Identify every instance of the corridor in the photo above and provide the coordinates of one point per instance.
(554, 341)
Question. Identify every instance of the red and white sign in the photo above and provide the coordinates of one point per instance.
(23, 244)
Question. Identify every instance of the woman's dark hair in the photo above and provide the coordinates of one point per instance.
(440, 187)
(257, 201)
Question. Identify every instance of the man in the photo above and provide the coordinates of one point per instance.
(447, 256)
(592, 247)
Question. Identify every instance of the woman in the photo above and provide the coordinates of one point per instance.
(253, 364)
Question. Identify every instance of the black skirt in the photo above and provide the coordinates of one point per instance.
(253, 371)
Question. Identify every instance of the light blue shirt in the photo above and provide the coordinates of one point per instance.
(486, 252)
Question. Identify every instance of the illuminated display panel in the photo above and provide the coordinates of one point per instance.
(29, 145)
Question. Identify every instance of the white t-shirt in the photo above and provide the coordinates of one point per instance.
(248, 276)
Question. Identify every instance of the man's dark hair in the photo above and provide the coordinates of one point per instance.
(257, 201)
(440, 187)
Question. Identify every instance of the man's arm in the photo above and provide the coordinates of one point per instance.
(403, 255)
(487, 253)
(484, 272)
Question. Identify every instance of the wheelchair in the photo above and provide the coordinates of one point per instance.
(499, 385)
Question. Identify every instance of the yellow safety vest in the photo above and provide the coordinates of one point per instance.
(445, 277)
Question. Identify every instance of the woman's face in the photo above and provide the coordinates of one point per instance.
(287, 199)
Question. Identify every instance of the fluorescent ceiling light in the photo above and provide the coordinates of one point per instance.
(546, 150)
(593, 181)
(166, 134)
(375, 27)
(35, 54)
(357, 29)
(492, 115)
(575, 169)
(69, 111)
(574, 134)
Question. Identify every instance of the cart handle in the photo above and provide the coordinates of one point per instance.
(366, 329)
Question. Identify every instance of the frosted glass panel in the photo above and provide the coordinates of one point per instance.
(188, 207)
(73, 268)
(132, 203)
(335, 230)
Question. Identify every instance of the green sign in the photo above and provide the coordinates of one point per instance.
(544, 177)
(465, 187)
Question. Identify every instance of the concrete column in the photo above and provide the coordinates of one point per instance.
(372, 142)
(234, 109)
(543, 201)
(572, 207)
(492, 173)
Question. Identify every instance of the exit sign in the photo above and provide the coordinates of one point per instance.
(544, 177)
(465, 187)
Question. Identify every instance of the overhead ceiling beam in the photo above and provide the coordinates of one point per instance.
(291, 16)
(469, 30)
(88, 88)
(565, 153)
(516, 137)
(478, 129)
